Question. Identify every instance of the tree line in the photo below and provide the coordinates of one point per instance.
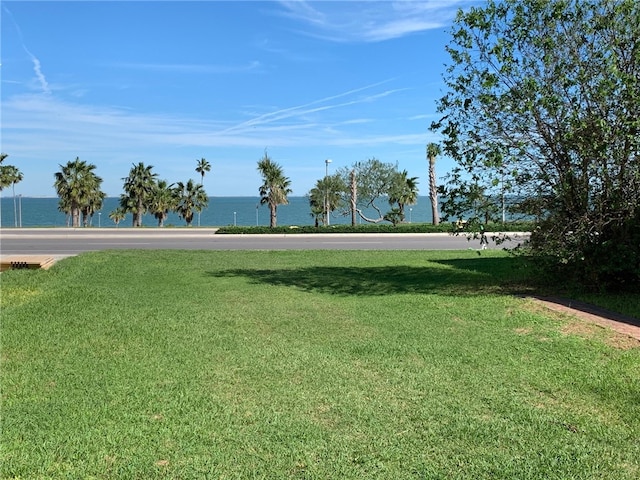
(364, 186)
(80, 194)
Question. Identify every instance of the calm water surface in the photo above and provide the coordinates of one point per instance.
(222, 211)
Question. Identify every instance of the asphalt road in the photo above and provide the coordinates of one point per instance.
(69, 241)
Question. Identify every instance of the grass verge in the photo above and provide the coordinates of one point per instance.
(172, 364)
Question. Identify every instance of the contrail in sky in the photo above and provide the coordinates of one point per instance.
(292, 111)
(36, 62)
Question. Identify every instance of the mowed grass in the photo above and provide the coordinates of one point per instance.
(189, 365)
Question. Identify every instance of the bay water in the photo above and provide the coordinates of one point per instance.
(222, 211)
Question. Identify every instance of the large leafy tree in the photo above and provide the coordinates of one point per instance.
(372, 182)
(275, 189)
(189, 198)
(78, 189)
(543, 104)
(138, 187)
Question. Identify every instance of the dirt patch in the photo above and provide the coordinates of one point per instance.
(592, 321)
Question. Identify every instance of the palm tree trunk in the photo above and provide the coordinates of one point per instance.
(273, 218)
(15, 210)
(75, 217)
(354, 197)
(137, 218)
(433, 191)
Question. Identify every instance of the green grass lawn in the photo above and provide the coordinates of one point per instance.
(189, 365)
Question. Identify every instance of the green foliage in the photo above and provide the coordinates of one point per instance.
(542, 112)
(117, 215)
(183, 365)
(433, 150)
(203, 166)
(139, 187)
(189, 198)
(377, 181)
(275, 189)
(327, 196)
(78, 189)
(377, 228)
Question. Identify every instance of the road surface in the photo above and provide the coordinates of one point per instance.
(70, 241)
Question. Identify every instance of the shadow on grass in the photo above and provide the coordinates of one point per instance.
(451, 277)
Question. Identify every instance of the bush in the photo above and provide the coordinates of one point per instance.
(371, 228)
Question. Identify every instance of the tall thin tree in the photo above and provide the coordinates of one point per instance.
(202, 167)
(433, 150)
(3, 183)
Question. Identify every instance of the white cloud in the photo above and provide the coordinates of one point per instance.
(42, 123)
(370, 21)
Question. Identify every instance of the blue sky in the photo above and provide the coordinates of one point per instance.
(167, 83)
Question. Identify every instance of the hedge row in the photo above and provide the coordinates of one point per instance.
(375, 228)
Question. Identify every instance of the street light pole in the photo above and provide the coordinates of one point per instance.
(326, 199)
(99, 219)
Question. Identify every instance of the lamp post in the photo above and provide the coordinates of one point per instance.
(234, 219)
(257, 205)
(326, 199)
(99, 219)
(410, 210)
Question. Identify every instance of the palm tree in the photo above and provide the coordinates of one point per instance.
(117, 215)
(190, 198)
(162, 201)
(78, 188)
(94, 203)
(11, 175)
(403, 192)
(275, 186)
(433, 150)
(4, 181)
(202, 167)
(317, 204)
(138, 187)
(327, 195)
